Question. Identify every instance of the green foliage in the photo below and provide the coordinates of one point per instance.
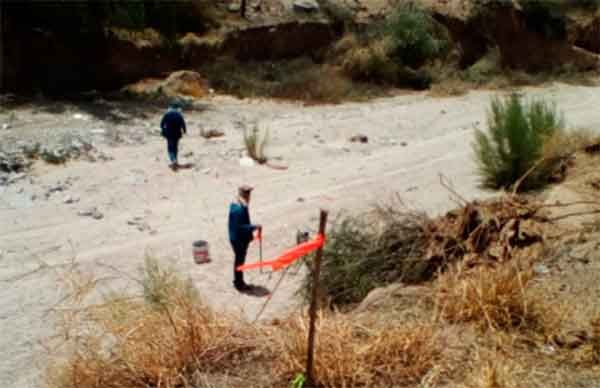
(299, 381)
(515, 142)
(413, 36)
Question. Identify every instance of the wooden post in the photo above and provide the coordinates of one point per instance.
(314, 304)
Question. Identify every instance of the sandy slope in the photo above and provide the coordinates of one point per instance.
(411, 140)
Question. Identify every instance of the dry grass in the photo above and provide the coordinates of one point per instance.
(157, 341)
(349, 354)
(147, 37)
(495, 298)
(169, 337)
(299, 79)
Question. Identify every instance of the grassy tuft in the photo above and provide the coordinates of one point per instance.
(255, 143)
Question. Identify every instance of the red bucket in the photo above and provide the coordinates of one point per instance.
(200, 251)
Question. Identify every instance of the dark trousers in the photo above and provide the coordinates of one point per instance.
(172, 146)
(240, 250)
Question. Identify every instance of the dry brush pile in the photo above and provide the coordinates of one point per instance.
(391, 244)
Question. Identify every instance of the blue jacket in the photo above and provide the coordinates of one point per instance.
(240, 228)
(172, 125)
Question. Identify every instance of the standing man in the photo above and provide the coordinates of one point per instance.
(240, 234)
(172, 128)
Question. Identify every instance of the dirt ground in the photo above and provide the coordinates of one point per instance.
(147, 209)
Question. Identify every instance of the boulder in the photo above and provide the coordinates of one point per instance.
(397, 295)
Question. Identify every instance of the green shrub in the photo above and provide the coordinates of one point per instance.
(515, 143)
(413, 35)
(368, 251)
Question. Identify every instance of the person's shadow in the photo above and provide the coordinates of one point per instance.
(257, 291)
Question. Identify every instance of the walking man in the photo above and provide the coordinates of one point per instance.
(240, 234)
(172, 128)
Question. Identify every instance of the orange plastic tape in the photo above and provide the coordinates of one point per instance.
(289, 256)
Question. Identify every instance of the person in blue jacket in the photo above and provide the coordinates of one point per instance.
(241, 234)
(172, 128)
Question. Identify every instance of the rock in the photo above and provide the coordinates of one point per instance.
(206, 171)
(5, 126)
(541, 269)
(211, 133)
(16, 177)
(247, 162)
(79, 116)
(359, 139)
(93, 212)
(306, 5)
(395, 294)
(548, 349)
(69, 200)
(403, 144)
(300, 199)
(56, 156)
(572, 339)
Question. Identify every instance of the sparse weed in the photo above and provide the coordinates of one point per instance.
(255, 141)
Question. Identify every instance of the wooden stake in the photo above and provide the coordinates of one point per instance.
(314, 304)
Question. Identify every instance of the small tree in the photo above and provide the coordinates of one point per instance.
(514, 145)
